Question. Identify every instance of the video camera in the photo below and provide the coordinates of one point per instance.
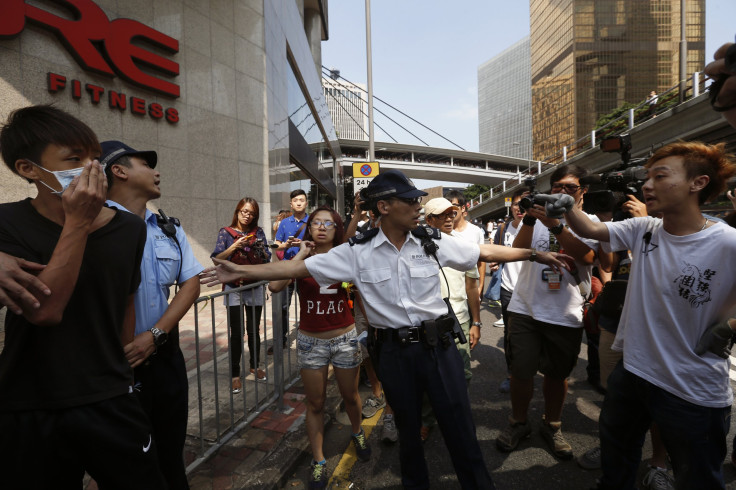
(530, 199)
(608, 191)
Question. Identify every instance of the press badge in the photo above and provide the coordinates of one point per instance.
(552, 279)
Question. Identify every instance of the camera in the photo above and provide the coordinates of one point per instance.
(530, 199)
(607, 192)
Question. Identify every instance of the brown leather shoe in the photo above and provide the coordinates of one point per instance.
(237, 386)
(261, 376)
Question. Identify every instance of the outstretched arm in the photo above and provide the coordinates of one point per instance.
(225, 272)
(499, 253)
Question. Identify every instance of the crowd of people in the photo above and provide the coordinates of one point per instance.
(92, 365)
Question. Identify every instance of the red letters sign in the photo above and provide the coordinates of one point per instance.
(91, 35)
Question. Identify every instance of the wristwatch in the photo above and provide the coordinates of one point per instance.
(556, 230)
(477, 324)
(159, 336)
(533, 256)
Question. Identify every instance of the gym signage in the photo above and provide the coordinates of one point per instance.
(102, 46)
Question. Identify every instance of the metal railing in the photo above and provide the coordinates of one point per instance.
(625, 122)
(216, 414)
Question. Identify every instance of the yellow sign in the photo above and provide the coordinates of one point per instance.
(365, 170)
(507, 202)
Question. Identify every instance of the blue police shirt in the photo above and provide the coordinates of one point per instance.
(289, 227)
(159, 267)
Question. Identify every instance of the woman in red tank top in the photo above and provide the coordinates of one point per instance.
(326, 336)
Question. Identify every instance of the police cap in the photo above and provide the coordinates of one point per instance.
(390, 183)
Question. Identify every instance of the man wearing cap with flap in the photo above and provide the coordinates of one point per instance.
(160, 372)
(395, 268)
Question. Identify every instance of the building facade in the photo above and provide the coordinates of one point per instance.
(348, 104)
(505, 103)
(226, 91)
(588, 57)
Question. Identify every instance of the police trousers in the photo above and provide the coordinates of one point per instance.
(407, 373)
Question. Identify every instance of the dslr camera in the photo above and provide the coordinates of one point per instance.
(530, 199)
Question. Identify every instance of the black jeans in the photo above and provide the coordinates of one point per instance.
(253, 323)
(694, 435)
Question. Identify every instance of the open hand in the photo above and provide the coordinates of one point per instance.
(223, 272)
(556, 261)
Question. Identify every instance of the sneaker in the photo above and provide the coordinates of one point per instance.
(515, 432)
(237, 386)
(261, 376)
(505, 386)
(498, 323)
(372, 405)
(317, 476)
(552, 433)
(494, 303)
(390, 434)
(591, 459)
(658, 479)
(362, 449)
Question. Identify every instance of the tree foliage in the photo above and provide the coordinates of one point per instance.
(474, 190)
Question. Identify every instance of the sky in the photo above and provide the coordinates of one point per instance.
(426, 56)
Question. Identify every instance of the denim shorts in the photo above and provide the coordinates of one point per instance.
(342, 351)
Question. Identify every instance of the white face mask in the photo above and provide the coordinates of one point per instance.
(64, 177)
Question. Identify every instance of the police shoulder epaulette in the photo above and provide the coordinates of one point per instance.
(363, 237)
(426, 231)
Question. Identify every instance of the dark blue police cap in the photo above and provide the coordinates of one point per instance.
(112, 150)
(391, 183)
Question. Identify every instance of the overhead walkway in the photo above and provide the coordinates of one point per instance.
(424, 162)
(691, 120)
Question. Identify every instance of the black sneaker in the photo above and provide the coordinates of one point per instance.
(362, 449)
(317, 476)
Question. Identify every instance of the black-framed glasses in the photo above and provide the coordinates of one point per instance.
(318, 223)
(570, 188)
(409, 200)
(446, 215)
(245, 212)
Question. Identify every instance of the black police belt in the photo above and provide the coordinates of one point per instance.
(431, 333)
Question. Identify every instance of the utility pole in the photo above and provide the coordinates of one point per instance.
(683, 50)
(371, 142)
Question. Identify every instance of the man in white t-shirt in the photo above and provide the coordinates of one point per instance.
(546, 321)
(464, 229)
(675, 321)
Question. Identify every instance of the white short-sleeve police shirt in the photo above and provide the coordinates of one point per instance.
(399, 287)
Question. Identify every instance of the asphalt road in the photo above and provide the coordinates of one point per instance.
(531, 466)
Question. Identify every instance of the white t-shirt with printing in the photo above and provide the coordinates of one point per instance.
(678, 287)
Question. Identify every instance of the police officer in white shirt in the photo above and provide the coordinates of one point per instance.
(399, 279)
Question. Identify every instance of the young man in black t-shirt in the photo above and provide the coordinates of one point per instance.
(66, 405)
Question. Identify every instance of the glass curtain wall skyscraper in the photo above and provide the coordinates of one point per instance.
(505, 103)
(348, 104)
(588, 57)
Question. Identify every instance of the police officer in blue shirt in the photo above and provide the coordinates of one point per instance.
(396, 268)
(159, 368)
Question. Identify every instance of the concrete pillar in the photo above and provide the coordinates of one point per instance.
(313, 30)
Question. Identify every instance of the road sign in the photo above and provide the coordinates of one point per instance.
(507, 202)
(363, 173)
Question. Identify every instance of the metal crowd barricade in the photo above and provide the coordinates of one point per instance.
(215, 413)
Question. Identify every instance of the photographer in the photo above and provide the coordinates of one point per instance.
(545, 327)
(675, 321)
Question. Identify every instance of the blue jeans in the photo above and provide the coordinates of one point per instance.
(493, 292)
(695, 436)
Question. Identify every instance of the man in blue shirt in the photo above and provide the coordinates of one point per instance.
(160, 372)
(288, 237)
